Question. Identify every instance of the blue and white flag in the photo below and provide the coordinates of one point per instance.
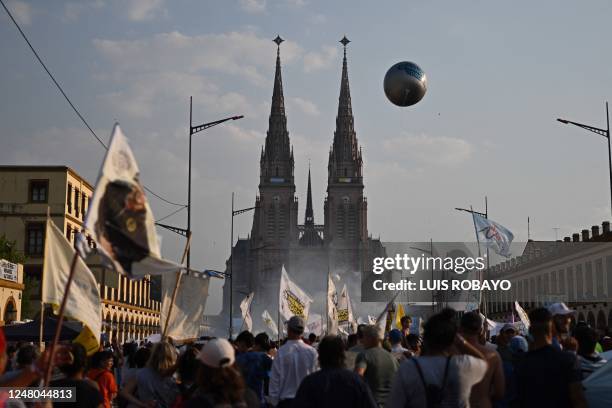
(493, 235)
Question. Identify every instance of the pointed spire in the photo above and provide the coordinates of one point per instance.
(309, 219)
(277, 145)
(345, 151)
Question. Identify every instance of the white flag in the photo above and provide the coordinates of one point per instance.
(189, 306)
(245, 308)
(332, 302)
(371, 319)
(293, 301)
(119, 218)
(83, 301)
(269, 322)
(493, 235)
(522, 315)
(345, 311)
(315, 324)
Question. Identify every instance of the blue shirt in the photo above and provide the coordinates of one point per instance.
(255, 367)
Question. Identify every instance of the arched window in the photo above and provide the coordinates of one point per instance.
(10, 311)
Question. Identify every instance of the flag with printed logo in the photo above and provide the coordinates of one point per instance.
(119, 218)
(293, 301)
(345, 311)
(269, 322)
(493, 235)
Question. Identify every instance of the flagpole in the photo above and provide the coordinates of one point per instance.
(60, 319)
(179, 274)
(42, 291)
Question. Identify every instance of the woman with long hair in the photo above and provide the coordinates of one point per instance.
(219, 381)
(154, 385)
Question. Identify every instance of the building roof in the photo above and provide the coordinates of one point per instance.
(43, 168)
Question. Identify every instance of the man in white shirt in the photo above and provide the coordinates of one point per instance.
(294, 361)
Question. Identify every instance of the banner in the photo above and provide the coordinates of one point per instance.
(345, 311)
(189, 307)
(270, 323)
(83, 301)
(493, 235)
(315, 324)
(332, 304)
(399, 313)
(522, 315)
(245, 308)
(119, 218)
(293, 301)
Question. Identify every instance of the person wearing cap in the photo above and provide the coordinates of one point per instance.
(547, 376)
(294, 361)
(219, 381)
(376, 365)
(507, 332)
(562, 320)
(397, 349)
(333, 386)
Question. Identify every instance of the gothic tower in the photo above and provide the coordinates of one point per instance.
(274, 228)
(346, 232)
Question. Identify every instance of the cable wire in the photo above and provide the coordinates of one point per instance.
(74, 108)
(171, 214)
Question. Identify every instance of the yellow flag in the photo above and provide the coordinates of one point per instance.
(399, 313)
(88, 340)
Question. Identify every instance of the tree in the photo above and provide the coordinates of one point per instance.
(8, 251)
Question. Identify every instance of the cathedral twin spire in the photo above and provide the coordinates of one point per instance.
(345, 157)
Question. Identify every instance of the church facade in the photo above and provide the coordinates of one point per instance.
(340, 246)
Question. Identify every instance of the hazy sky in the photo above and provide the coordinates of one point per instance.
(499, 74)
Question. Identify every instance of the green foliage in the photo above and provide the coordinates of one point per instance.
(8, 250)
(32, 286)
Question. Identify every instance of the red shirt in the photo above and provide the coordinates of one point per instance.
(106, 382)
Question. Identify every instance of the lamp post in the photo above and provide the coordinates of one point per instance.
(602, 132)
(192, 131)
(231, 274)
(430, 252)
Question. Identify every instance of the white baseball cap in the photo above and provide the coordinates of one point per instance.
(560, 309)
(217, 353)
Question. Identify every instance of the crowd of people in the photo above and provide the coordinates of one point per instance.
(453, 364)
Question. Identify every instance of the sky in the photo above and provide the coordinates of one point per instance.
(499, 74)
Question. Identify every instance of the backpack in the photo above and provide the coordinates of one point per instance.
(434, 394)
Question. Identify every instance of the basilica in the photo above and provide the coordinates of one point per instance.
(340, 246)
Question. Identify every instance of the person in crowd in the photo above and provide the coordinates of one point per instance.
(353, 351)
(254, 365)
(414, 344)
(264, 345)
(155, 384)
(294, 361)
(502, 340)
(547, 376)
(351, 341)
(73, 359)
(11, 357)
(439, 377)
(26, 356)
(606, 343)
(518, 347)
(187, 369)
(136, 362)
(492, 386)
(129, 365)
(405, 322)
(398, 351)
(101, 373)
(589, 359)
(569, 344)
(333, 386)
(376, 365)
(219, 381)
(312, 339)
(562, 320)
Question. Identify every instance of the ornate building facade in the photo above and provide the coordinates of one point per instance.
(309, 251)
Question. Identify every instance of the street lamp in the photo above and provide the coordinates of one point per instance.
(430, 252)
(602, 132)
(231, 274)
(192, 131)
